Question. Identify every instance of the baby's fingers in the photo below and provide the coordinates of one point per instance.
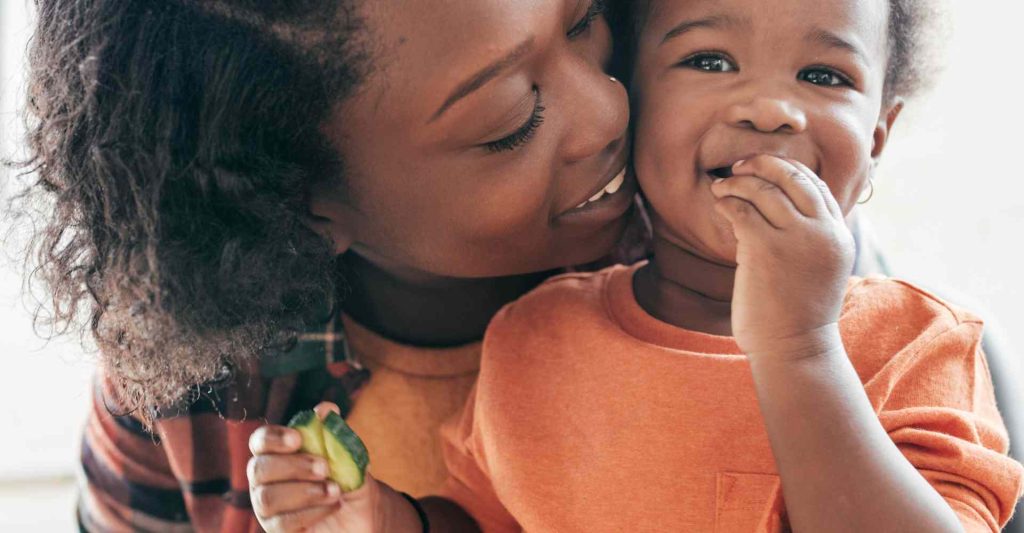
(265, 469)
(795, 182)
(743, 216)
(280, 498)
(768, 198)
(826, 193)
(303, 520)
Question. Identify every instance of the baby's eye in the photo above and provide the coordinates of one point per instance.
(825, 77)
(709, 62)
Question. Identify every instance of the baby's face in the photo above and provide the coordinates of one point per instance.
(718, 81)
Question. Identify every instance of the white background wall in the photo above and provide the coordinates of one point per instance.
(949, 208)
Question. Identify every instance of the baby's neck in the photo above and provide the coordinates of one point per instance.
(683, 289)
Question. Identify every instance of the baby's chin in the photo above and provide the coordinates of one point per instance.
(714, 242)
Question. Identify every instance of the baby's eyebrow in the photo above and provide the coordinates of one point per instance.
(833, 40)
(712, 22)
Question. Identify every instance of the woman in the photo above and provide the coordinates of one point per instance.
(226, 171)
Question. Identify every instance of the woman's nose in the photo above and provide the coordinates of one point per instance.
(768, 114)
(600, 112)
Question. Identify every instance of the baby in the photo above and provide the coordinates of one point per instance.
(740, 380)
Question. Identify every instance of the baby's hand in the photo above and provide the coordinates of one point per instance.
(290, 491)
(794, 256)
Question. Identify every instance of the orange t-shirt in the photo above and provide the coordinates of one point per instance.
(591, 415)
(397, 413)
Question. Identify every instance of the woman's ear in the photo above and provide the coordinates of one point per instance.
(328, 217)
(883, 129)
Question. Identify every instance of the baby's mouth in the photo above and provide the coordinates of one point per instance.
(721, 172)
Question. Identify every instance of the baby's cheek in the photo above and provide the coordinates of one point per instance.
(847, 142)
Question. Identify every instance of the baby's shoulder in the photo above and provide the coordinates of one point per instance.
(887, 321)
(879, 300)
(560, 304)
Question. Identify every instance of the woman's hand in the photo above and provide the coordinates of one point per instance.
(794, 256)
(291, 491)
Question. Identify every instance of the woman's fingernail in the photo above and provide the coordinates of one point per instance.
(717, 181)
(333, 490)
(320, 468)
(739, 163)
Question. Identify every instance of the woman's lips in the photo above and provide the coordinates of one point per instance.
(611, 188)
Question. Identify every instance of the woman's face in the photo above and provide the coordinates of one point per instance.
(475, 143)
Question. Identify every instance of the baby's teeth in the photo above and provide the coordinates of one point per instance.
(581, 205)
(597, 196)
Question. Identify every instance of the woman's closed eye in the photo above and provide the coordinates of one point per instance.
(525, 132)
(710, 62)
(825, 77)
(597, 7)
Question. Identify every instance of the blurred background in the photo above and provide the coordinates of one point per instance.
(948, 210)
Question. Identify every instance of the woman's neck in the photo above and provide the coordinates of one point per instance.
(426, 310)
(686, 290)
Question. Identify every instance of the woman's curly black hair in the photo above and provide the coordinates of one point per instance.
(173, 145)
(912, 33)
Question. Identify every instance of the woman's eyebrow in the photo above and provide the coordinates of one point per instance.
(712, 22)
(484, 75)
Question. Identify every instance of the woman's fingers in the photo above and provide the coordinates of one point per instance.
(768, 198)
(797, 184)
(274, 440)
(280, 498)
(265, 469)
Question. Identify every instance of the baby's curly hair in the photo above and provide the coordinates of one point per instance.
(172, 149)
(912, 36)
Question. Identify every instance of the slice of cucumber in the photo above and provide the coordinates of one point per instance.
(334, 440)
(312, 431)
(346, 453)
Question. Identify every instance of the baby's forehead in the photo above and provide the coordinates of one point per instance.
(867, 19)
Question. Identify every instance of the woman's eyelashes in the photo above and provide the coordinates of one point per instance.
(522, 135)
(597, 7)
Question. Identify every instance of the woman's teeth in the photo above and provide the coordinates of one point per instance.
(613, 187)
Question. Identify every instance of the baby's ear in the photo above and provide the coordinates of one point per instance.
(883, 129)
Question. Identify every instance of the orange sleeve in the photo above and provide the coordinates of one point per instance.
(941, 413)
(469, 483)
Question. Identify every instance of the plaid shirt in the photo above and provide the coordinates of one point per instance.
(191, 474)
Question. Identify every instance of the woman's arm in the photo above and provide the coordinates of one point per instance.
(128, 482)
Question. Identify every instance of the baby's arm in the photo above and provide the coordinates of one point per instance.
(840, 470)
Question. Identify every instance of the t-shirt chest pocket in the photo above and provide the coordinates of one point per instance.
(749, 503)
